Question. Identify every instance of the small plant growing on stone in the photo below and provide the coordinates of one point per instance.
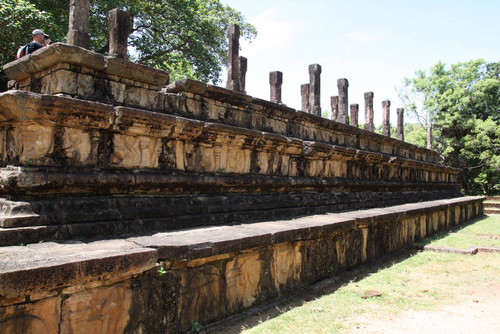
(161, 271)
(196, 327)
(221, 170)
(330, 270)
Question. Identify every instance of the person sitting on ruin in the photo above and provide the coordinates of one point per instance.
(40, 39)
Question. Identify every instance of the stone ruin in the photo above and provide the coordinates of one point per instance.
(234, 200)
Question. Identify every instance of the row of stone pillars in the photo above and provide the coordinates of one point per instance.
(78, 29)
(310, 93)
(119, 29)
(340, 108)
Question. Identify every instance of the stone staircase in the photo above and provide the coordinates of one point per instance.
(492, 205)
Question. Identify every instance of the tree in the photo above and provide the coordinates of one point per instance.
(415, 134)
(462, 103)
(18, 18)
(183, 37)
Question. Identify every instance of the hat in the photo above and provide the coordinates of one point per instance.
(39, 32)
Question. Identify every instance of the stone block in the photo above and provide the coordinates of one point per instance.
(85, 86)
(135, 151)
(116, 91)
(202, 295)
(42, 316)
(99, 310)
(287, 265)
(29, 144)
(144, 74)
(64, 82)
(77, 146)
(243, 279)
(50, 56)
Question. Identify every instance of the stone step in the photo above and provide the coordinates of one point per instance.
(492, 211)
(207, 272)
(491, 204)
(68, 218)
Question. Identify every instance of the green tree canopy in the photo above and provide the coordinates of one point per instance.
(463, 104)
(184, 37)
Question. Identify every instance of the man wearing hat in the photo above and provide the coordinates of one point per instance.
(40, 39)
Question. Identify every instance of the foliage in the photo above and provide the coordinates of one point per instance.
(415, 134)
(463, 104)
(184, 37)
(18, 18)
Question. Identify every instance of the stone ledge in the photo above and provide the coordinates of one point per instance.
(47, 112)
(206, 242)
(248, 102)
(209, 273)
(51, 265)
(38, 181)
(58, 53)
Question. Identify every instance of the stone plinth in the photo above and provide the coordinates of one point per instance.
(75, 129)
(72, 71)
(206, 274)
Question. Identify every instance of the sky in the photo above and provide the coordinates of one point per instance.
(374, 44)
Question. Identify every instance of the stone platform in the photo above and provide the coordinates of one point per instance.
(115, 286)
(93, 145)
(250, 199)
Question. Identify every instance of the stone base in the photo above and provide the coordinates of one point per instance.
(207, 274)
(33, 220)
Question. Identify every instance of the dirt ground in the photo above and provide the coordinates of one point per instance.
(479, 314)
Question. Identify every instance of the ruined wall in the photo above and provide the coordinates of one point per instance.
(81, 123)
(114, 286)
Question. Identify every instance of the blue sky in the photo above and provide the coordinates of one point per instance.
(374, 44)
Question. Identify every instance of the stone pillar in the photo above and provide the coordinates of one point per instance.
(78, 29)
(233, 59)
(314, 89)
(429, 136)
(401, 124)
(369, 126)
(354, 114)
(276, 80)
(304, 94)
(386, 121)
(119, 29)
(334, 102)
(242, 65)
(343, 86)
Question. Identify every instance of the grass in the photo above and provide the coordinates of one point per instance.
(481, 233)
(423, 281)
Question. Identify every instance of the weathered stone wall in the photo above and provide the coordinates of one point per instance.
(209, 273)
(84, 124)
